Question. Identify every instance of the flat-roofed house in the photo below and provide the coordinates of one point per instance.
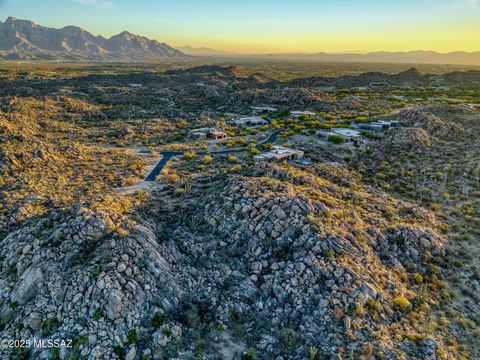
(378, 126)
(347, 134)
(249, 121)
(208, 134)
(371, 127)
(263, 110)
(217, 135)
(300, 114)
(388, 123)
(279, 153)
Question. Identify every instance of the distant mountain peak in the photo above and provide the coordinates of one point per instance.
(201, 51)
(404, 57)
(23, 39)
(12, 21)
(126, 34)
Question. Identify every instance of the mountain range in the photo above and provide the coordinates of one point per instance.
(407, 57)
(23, 39)
(203, 51)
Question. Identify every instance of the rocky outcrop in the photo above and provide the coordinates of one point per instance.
(81, 268)
(411, 137)
(271, 262)
(293, 97)
(433, 124)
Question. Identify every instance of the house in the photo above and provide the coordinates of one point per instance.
(387, 124)
(249, 121)
(279, 153)
(347, 134)
(259, 110)
(300, 114)
(379, 126)
(380, 84)
(360, 88)
(208, 134)
(217, 135)
(373, 126)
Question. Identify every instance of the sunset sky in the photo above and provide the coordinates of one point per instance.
(264, 26)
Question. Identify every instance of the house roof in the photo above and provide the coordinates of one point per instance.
(302, 113)
(206, 129)
(346, 132)
(265, 108)
(278, 152)
(250, 118)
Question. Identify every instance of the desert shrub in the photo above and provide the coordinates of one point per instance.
(119, 351)
(241, 142)
(21, 354)
(335, 139)
(207, 160)
(189, 155)
(288, 337)
(249, 354)
(235, 168)
(50, 325)
(132, 336)
(359, 311)
(173, 178)
(158, 319)
(401, 303)
(418, 278)
(312, 353)
(55, 354)
(266, 146)
(234, 315)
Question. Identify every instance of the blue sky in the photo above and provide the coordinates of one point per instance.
(271, 26)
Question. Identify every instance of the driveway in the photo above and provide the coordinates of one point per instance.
(167, 155)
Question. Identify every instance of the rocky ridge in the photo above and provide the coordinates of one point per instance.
(23, 39)
(270, 264)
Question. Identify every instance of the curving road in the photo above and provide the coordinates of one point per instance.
(167, 155)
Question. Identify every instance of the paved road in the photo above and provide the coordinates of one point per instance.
(167, 155)
(271, 139)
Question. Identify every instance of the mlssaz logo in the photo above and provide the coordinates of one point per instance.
(52, 343)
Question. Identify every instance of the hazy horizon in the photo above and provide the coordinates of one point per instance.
(264, 27)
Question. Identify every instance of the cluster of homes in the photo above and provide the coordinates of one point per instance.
(256, 120)
(280, 153)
